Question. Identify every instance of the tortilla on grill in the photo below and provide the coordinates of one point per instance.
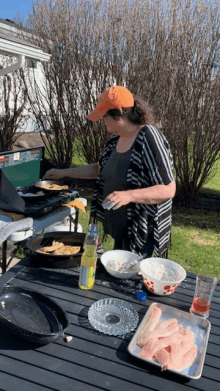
(55, 187)
(55, 246)
(60, 248)
(67, 250)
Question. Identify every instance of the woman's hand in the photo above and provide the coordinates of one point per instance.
(119, 198)
(54, 174)
(150, 195)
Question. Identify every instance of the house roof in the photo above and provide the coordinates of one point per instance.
(12, 45)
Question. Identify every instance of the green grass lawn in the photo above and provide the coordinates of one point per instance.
(195, 238)
(213, 184)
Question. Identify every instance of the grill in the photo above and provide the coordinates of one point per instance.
(44, 206)
(18, 170)
(11, 201)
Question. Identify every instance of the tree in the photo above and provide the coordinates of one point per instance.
(13, 100)
(167, 52)
(69, 91)
(177, 71)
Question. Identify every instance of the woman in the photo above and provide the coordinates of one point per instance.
(134, 174)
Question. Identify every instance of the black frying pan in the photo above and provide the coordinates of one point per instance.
(50, 260)
(31, 316)
(72, 184)
(34, 190)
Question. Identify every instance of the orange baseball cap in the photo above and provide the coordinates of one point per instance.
(114, 97)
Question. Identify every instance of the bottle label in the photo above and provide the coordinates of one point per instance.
(87, 276)
(84, 275)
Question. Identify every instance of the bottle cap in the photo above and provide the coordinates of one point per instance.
(93, 228)
(141, 295)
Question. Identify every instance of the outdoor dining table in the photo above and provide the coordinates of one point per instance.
(93, 360)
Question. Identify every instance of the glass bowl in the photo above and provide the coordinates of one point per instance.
(113, 316)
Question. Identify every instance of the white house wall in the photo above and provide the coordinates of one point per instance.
(9, 49)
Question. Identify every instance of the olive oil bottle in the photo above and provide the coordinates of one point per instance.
(89, 258)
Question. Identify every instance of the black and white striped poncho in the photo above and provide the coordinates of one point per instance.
(151, 163)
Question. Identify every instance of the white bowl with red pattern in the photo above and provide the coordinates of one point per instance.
(161, 276)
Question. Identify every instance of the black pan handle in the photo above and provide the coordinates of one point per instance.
(31, 184)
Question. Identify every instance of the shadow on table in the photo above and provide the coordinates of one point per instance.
(122, 351)
(9, 341)
(84, 322)
(83, 319)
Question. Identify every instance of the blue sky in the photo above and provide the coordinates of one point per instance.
(10, 8)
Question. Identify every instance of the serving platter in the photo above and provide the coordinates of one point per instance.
(200, 327)
(113, 316)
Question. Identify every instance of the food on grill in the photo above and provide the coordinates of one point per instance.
(66, 250)
(167, 342)
(55, 187)
(55, 246)
(61, 249)
(77, 203)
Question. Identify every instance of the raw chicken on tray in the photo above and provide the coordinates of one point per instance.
(167, 342)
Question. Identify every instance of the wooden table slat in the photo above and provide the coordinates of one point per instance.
(94, 361)
(135, 285)
(39, 375)
(16, 383)
(214, 310)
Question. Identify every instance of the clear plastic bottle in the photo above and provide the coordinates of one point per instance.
(89, 258)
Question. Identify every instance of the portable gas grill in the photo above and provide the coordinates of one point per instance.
(40, 208)
(18, 171)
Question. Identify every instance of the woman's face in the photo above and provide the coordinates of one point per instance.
(117, 127)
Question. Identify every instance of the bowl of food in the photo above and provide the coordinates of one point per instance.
(161, 276)
(114, 260)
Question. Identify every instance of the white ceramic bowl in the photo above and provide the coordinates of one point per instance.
(127, 256)
(174, 275)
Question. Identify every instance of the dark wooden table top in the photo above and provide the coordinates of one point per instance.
(94, 361)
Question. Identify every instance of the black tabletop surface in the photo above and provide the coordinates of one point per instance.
(91, 360)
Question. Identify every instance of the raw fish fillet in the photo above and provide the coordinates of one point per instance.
(155, 344)
(177, 352)
(149, 326)
(167, 342)
(164, 329)
(186, 361)
(163, 357)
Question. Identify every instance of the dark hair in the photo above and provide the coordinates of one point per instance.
(140, 114)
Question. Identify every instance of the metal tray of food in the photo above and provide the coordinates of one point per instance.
(199, 326)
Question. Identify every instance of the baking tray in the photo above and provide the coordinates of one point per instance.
(200, 327)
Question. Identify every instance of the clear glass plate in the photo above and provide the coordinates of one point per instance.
(113, 316)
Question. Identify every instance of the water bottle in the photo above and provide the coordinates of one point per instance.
(89, 258)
